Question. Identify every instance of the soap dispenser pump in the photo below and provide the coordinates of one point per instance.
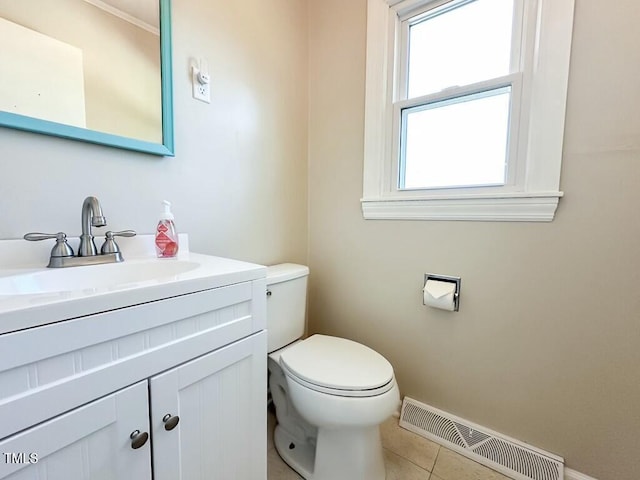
(166, 235)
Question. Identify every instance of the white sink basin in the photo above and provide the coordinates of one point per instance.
(114, 276)
(33, 295)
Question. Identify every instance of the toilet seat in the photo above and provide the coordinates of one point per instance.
(337, 366)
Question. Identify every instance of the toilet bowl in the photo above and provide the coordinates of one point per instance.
(330, 394)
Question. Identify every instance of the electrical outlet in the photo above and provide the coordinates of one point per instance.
(201, 86)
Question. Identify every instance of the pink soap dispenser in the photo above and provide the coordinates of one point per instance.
(166, 235)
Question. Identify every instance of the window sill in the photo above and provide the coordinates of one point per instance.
(510, 207)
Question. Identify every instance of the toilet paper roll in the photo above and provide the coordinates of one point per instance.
(440, 294)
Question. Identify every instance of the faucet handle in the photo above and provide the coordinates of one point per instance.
(60, 249)
(109, 245)
(122, 233)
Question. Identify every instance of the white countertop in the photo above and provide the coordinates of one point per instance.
(26, 310)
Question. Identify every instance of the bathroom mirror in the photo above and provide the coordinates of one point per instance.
(92, 70)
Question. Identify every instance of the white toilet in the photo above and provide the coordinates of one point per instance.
(330, 394)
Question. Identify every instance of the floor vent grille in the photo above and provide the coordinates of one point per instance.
(508, 456)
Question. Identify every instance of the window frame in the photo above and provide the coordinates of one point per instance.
(539, 91)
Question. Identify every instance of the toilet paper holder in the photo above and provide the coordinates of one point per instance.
(446, 278)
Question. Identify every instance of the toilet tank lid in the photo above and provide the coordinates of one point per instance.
(285, 271)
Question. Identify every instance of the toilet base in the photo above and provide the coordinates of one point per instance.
(301, 457)
(340, 454)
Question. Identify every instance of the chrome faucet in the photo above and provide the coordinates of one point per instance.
(91, 216)
(62, 254)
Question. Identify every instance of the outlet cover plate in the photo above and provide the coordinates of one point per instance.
(201, 91)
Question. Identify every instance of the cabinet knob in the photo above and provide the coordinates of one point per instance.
(170, 421)
(138, 439)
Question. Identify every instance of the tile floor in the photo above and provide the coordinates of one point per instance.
(408, 457)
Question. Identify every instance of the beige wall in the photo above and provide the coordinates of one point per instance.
(546, 346)
(238, 181)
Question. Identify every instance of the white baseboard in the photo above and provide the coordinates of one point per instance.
(573, 475)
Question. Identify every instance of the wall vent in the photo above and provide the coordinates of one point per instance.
(510, 457)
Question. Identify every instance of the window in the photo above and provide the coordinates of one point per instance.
(460, 141)
(465, 104)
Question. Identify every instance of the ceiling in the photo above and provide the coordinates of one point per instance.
(145, 11)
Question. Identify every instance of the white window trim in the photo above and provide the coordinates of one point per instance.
(535, 194)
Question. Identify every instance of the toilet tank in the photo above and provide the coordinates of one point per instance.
(286, 304)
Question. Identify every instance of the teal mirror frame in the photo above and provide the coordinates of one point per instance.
(166, 148)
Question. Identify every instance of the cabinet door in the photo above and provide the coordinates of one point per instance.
(89, 443)
(220, 399)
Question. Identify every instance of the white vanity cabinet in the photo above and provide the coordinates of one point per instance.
(89, 442)
(221, 414)
(73, 392)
